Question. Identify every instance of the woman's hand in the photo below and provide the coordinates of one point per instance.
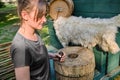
(58, 56)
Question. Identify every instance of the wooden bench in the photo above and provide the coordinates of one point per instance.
(6, 66)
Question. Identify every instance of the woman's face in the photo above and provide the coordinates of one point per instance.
(34, 21)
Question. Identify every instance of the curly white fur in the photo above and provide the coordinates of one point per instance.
(88, 32)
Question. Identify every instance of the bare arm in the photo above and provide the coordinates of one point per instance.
(22, 73)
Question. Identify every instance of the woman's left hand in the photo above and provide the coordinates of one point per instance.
(59, 56)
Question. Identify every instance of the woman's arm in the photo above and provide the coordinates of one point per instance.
(22, 73)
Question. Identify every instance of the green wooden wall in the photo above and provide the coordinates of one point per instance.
(96, 8)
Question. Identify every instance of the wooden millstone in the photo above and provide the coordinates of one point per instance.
(79, 64)
(62, 8)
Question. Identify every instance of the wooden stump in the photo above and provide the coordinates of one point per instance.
(79, 64)
(62, 8)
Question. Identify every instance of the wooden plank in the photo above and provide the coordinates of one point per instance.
(5, 44)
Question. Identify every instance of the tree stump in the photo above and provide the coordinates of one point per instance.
(79, 64)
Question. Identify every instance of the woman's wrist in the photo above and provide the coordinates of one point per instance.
(51, 55)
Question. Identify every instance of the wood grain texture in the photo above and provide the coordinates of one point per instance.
(79, 64)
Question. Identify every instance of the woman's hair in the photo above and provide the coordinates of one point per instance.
(28, 5)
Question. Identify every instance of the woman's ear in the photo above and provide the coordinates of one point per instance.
(24, 15)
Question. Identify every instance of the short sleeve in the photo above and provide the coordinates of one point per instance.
(20, 55)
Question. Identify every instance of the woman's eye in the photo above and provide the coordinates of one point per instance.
(43, 15)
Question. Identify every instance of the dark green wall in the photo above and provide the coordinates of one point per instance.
(96, 8)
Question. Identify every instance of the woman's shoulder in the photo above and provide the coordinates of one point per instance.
(18, 41)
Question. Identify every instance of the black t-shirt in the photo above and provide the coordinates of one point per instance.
(34, 54)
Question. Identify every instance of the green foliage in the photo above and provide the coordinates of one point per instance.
(117, 77)
(8, 15)
(45, 35)
(2, 4)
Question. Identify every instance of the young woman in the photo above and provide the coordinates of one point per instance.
(28, 52)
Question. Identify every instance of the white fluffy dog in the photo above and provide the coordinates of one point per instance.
(88, 32)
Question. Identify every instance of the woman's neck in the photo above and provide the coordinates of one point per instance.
(28, 32)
